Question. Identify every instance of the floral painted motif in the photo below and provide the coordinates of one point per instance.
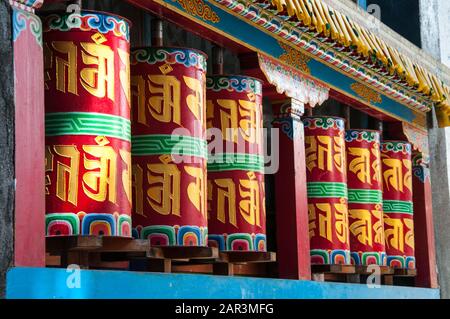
(87, 21)
(26, 21)
(186, 57)
(235, 83)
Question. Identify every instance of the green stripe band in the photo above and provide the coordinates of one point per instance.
(168, 144)
(365, 196)
(81, 123)
(326, 190)
(231, 162)
(394, 206)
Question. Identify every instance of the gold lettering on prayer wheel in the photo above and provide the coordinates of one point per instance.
(236, 197)
(87, 124)
(398, 204)
(327, 190)
(365, 198)
(169, 150)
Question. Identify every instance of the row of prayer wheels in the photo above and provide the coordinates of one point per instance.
(128, 155)
(126, 142)
(359, 196)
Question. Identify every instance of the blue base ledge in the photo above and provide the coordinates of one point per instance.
(50, 283)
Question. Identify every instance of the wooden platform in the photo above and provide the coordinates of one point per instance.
(333, 273)
(367, 270)
(95, 252)
(404, 277)
(359, 274)
(251, 263)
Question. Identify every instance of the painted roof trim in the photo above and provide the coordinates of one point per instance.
(359, 42)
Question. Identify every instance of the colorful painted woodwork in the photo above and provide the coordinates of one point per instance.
(398, 204)
(236, 197)
(169, 149)
(365, 198)
(327, 190)
(87, 124)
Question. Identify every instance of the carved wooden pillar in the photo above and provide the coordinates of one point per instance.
(423, 224)
(290, 194)
(29, 241)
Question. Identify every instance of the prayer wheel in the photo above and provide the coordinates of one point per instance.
(236, 197)
(87, 124)
(365, 198)
(398, 204)
(169, 149)
(327, 190)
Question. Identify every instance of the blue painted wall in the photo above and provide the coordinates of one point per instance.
(52, 283)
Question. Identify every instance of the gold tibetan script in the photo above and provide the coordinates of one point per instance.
(99, 178)
(98, 80)
(409, 237)
(360, 165)
(164, 102)
(163, 195)
(376, 165)
(226, 194)
(407, 180)
(248, 124)
(341, 223)
(312, 220)
(196, 190)
(249, 206)
(323, 214)
(99, 182)
(361, 228)
(67, 175)
(231, 125)
(394, 233)
(324, 151)
(229, 119)
(393, 174)
(378, 226)
(97, 74)
(325, 221)
(66, 67)
(195, 101)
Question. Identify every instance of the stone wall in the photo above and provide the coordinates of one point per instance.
(434, 18)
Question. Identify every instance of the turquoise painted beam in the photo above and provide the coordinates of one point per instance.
(51, 283)
(255, 38)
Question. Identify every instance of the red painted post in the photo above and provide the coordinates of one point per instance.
(423, 224)
(29, 226)
(291, 195)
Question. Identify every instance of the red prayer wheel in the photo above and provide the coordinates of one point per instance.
(169, 149)
(88, 150)
(365, 198)
(236, 196)
(327, 190)
(398, 204)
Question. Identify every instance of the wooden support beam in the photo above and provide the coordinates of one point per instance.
(291, 194)
(424, 228)
(29, 136)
